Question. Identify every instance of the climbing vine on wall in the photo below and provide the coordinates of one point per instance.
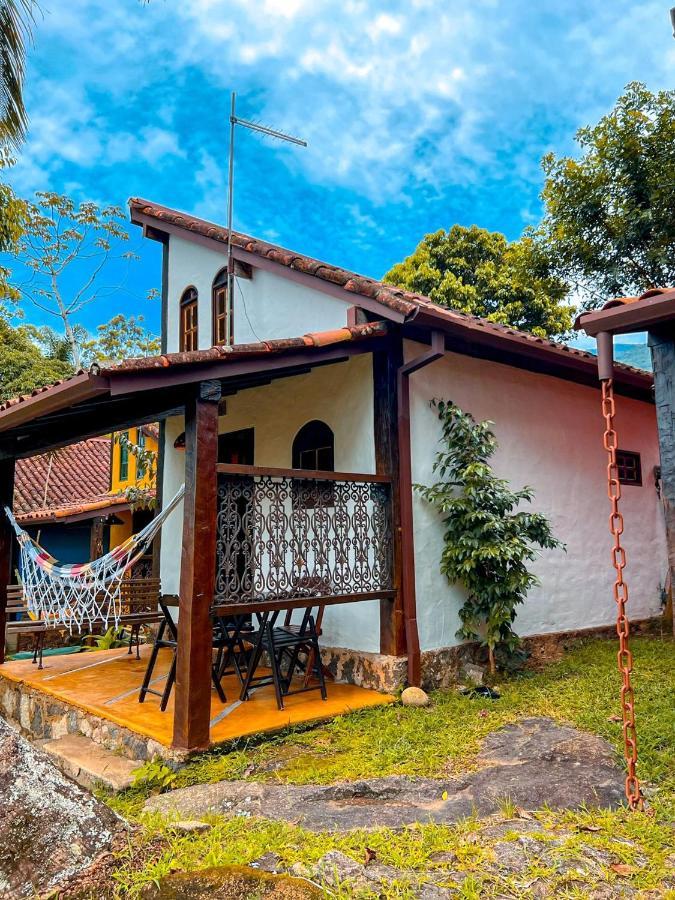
(489, 539)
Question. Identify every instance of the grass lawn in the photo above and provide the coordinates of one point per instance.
(582, 689)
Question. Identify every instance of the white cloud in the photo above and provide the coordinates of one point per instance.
(432, 93)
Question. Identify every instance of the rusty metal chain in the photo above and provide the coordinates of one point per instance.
(625, 657)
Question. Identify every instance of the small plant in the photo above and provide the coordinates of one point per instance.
(507, 807)
(113, 638)
(154, 775)
(488, 539)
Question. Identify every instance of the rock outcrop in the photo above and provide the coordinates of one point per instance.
(52, 831)
(533, 762)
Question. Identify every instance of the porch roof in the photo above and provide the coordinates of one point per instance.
(136, 391)
(467, 334)
(624, 315)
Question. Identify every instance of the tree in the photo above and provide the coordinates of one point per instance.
(481, 273)
(489, 539)
(23, 368)
(121, 338)
(63, 252)
(53, 344)
(609, 223)
(17, 18)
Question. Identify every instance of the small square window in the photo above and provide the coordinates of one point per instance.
(629, 466)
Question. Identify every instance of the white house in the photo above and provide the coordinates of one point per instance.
(350, 414)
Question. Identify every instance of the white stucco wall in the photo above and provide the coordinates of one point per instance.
(340, 395)
(266, 306)
(550, 437)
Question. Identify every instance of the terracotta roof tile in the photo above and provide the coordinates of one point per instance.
(58, 513)
(401, 301)
(74, 475)
(652, 292)
(262, 348)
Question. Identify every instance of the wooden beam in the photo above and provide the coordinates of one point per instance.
(159, 502)
(386, 363)
(662, 346)
(198, 570)
(6, 543)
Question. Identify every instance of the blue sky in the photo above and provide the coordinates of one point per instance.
(418, 114)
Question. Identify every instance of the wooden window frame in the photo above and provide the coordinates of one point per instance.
(123, 467)
(219, 317)
(299, 453)
(629, 466)
(189, 305)
(307, 458)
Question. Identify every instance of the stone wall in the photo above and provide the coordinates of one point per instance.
(40, 716)
(441, 668)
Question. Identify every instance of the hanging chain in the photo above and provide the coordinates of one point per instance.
(625, 657)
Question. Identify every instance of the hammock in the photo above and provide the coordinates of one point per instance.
(70, 595)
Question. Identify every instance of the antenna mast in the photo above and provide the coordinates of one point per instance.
(261, 129)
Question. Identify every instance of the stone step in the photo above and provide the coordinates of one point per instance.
(89, 764)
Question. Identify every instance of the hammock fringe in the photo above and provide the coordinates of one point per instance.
(72, 595)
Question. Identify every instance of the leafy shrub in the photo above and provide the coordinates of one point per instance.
(488, 540)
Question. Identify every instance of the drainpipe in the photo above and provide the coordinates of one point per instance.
(605, 344)
(406, 503)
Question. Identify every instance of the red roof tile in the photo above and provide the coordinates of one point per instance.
(406, 302)
(238, 351)
(68, 477)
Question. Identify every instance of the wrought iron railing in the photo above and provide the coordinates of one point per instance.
(289, 534)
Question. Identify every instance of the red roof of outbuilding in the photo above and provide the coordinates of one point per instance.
(66, 482)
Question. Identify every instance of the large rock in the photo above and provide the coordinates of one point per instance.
(533, 762)
(230, 883)
(51, 830)
(414, 696)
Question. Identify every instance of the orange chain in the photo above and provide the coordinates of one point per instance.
(625, 657)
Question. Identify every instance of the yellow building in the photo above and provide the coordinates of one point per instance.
(126, 471)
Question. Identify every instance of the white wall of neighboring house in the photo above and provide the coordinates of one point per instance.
(266, 306)
(550, 438)
(341, 395)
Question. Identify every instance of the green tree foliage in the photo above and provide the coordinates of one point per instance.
(23, 367)
(62, 253)
(121, 338)
(489, 539)
(609, 222)
(17, 18)
(481, 273)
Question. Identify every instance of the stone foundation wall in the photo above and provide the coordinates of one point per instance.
(39, 716)
(369, 670)
(441, 667)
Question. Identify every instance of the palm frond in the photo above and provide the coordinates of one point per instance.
(17, 18)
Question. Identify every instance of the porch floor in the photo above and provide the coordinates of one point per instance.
(105, 683)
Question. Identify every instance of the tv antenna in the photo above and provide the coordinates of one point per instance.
(261, 129)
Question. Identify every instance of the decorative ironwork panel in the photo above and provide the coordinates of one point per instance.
(282, 537)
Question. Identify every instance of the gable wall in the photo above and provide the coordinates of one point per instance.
(267, 306)
(550, 437)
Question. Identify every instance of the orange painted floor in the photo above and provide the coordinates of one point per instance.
(106, 683)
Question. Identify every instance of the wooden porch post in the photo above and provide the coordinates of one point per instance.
(386, 364)
(6, 538)
(198, 568)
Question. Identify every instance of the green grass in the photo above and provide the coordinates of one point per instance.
(582, 689)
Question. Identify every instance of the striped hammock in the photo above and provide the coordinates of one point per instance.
(73, 595)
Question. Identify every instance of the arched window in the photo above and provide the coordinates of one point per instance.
(314, 447)
(222, 310)
(188, 320)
